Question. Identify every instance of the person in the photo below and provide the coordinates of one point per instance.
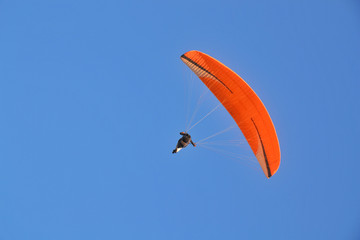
(183, 142)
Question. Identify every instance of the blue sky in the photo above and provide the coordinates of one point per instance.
(93, 96)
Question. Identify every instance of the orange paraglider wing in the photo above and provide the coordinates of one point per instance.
(243, 105)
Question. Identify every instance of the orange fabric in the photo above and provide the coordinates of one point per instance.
(243, 105)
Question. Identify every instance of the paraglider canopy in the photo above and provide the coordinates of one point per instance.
(243, 105)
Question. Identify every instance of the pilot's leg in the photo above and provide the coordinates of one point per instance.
(176, 150)
(179, 146)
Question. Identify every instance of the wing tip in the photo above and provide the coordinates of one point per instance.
(272, 173)
(189, 52)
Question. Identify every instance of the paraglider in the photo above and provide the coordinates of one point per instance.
(183, 142)
(244, 106)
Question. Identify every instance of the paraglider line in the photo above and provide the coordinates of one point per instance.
(198, 105)
(204, 117)
(214, 135)
(233, 156)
